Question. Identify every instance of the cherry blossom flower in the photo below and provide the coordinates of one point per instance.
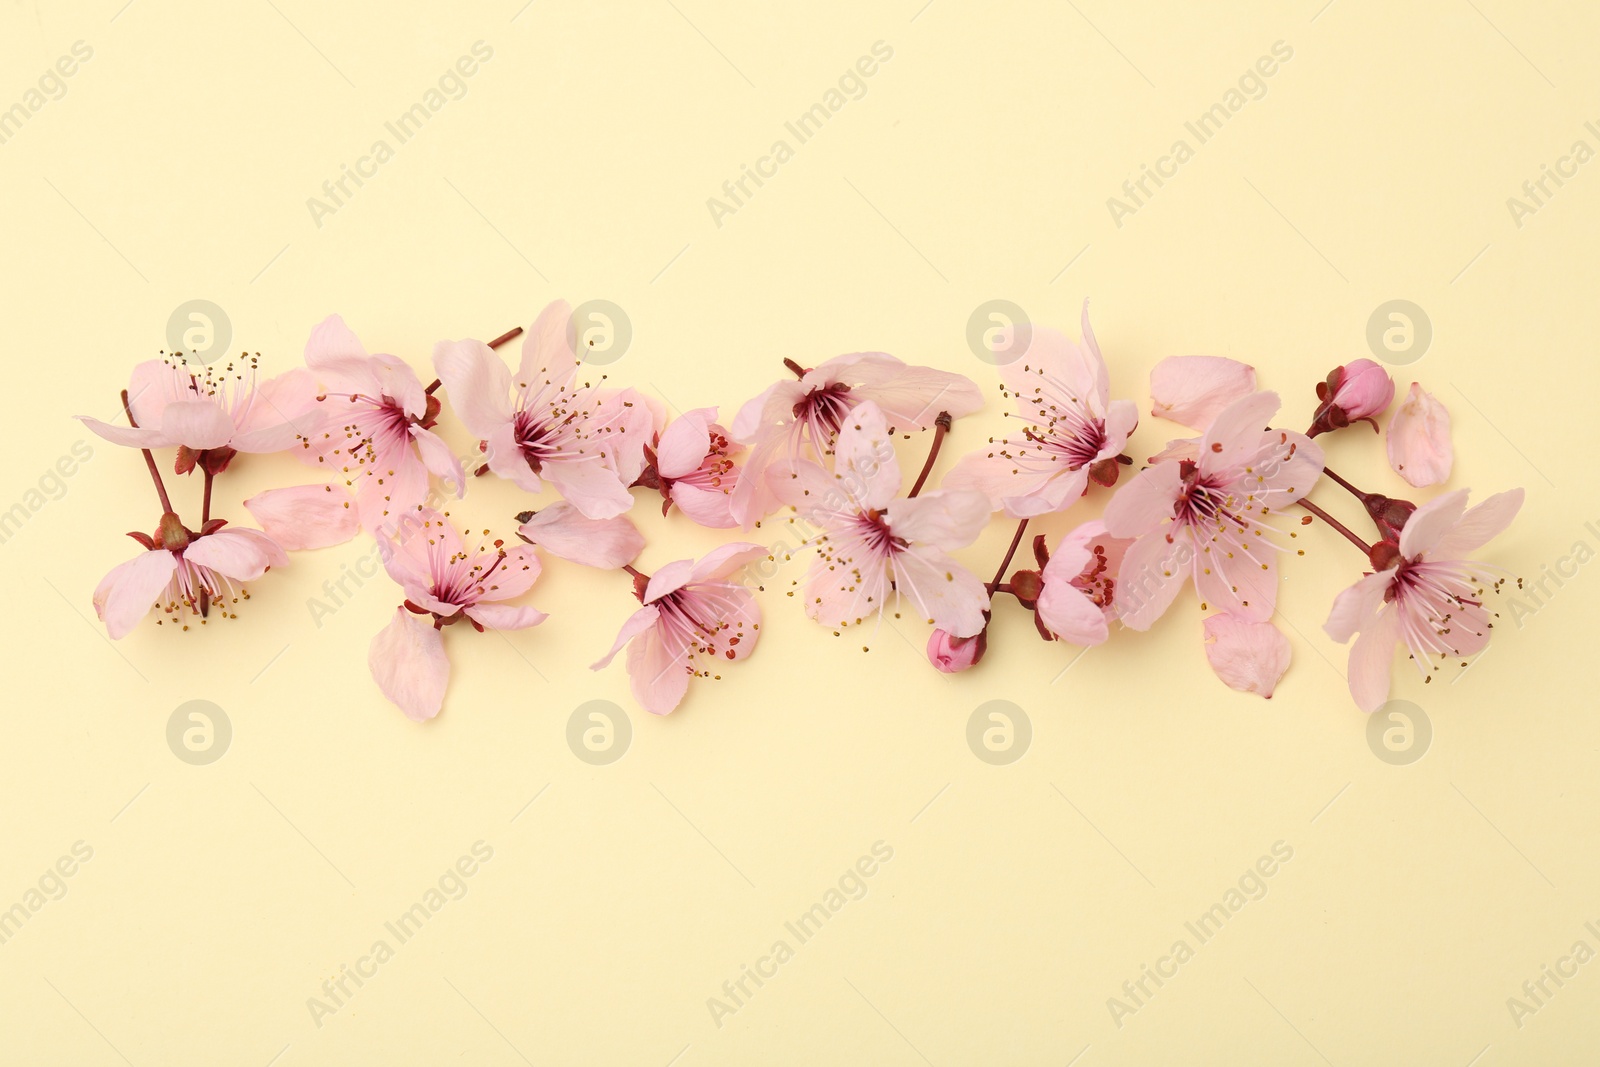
(445, 582)
(1193, 390)
(1078, 601)
(562, 530)
(1429, 597)
(218, 411)
(1357, 392)
(692, 469)
(546, 425)
(872, 544)
(181, 572)
(692, 620)
(1248, 655)
(795, 420)
(378, 437)
(1208, 517)
(1419, 439)
(1072, 430)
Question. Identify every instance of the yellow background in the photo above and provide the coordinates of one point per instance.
(976, 166)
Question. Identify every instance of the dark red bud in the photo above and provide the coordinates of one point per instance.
(1104, 472)
(1026, 586)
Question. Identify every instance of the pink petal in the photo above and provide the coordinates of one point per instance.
(1241, 585)
(1355, 608)
(305, 516)
(864, 458)
(1057, 492)
(942, 590)
(200, 424)
(236, 552)
(624, 423)
(658, 673)
(909, 397)
(641, 621)
(439, 459)
(477, 382)
(1430, 522)
(408, 662)
(155, 383)
(337, 358)
(564, 531)
(1193, 390)
(669, 578)
(945, 518)
(1236, 432)
(1419, 439)
(514, 575)
(838, 600)
(685, 442)
(722, 563)
(1479, 525)
(1248, 656)
(1122, 418)
(130, 591)
(592, 487)
(279, 413)
(1069, 614)
(762, 414)
(711, 508)
(1144, 501)
(129, 436)
(398, 381)
(1152, 572)
(1065, 370)
(505, 616)
(1372, 660)
(383, 499)
(547, 354)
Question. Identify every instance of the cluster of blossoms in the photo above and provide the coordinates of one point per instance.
(1215, 509)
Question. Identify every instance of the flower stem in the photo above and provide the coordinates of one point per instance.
(149, 460)
(1336, 524)
(205, 500)
(941, 426)
(1016, 539)
(1334, 475)
(511, 334)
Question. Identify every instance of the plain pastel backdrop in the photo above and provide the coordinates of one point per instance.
(975, 163)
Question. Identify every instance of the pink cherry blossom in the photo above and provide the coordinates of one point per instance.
(175, 405)
(1193, 390)
(445, 582)
(952, 655)
(795, 420)
(1419, 439)
(694, 471)
(1072, 430)
(1431, 599)
(1356, 392)
(1208, 518)
(872, 545)
(378, 436)
(564, 531)
(182, 571)
(1078, 601)
(693, 619)
(547, 425)
(1248, 655)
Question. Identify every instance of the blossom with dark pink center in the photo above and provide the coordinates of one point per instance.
(184, 573)
(1072, 430)
(1078, 599)
(1207, 519)
(691, 465)
(693, 620)
(1428, 596)
(799, 419)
